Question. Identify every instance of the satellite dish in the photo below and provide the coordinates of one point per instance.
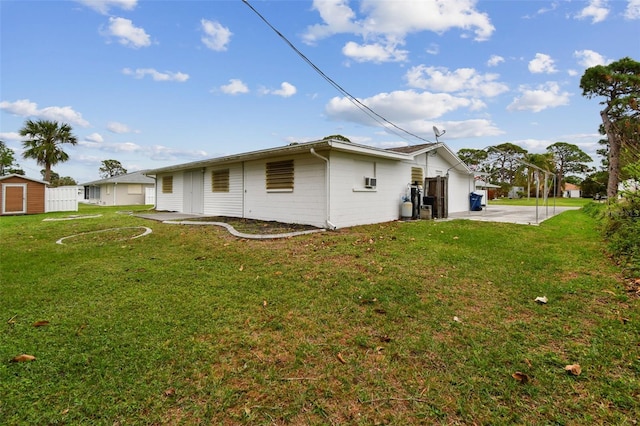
(438, 133)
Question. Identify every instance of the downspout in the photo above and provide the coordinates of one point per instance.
(115, 189)
(327, 185)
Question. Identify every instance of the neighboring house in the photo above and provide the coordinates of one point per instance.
(571, 191)
(328, 184)
(22, 195)
(122, 190)
(629, 185)
(487, 190)
(516, 192)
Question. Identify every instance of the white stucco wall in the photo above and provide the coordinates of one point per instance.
(118, 194)
(225, 203)
(351, 203)
(304, 205)
(459, 184)
(173, 201)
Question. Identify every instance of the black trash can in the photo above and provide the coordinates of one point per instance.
(429, 200)
(475, 201)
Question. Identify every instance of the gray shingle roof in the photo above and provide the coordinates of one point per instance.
(135, 177)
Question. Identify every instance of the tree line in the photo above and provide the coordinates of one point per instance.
(510, 165)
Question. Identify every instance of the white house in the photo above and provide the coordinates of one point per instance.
(328, 183)
(570, 190)
(121, 190)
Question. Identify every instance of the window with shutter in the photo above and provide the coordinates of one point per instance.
(220, 180)
(167, 185)
(279, 176)
(416, 175)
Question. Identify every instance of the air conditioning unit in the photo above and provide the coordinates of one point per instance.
(370, 182)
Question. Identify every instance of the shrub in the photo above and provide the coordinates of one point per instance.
(621, 226)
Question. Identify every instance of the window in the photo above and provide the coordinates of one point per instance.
(134, 189)
(167, 185)
(416, 175)
(280, 176)
(91, 192)
(220, 180)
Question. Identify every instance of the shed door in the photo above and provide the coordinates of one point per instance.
(193, 191)
(14, 198)
(437, 190)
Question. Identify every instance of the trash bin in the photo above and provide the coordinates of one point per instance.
(430, 201)
(475, 201)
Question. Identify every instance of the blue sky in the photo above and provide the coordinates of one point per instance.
(155, 83)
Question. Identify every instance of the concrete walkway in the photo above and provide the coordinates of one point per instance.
(522, 215)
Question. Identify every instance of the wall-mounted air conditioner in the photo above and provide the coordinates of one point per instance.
(370, 182)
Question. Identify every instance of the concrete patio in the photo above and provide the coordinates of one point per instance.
(522, 215)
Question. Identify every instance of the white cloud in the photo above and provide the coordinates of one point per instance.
(375, 52)
(216, 37)
(103, 6)
(94, 137)
(495, 60)
(588, 58)
(544, 96)
(10, 136)
(433, 49)
(597, 11)
(414, 112)
(400, 107)
(337, 17)
(156, 75)
(26, 108)
(234, 87)
(154, 152)
(127, 34)
(385, 24)
(286, 90)
(464, 81)
(116, 127)
(633, 10)
(471, 129)
(542, 64)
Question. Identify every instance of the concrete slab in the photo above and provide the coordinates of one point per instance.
(522, 215)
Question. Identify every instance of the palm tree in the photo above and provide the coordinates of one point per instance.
(43, 145)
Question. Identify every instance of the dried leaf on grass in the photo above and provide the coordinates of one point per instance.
(23, 358)
(542, 299)
(40, 323)
(170, 392)
(12, 320)
(341, 358)
(573, 369)
(521, 377)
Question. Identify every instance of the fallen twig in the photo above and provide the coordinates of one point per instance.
(392, 399)
(298, 378)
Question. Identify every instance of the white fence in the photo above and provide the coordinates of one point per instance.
(150, 196)
(61, 199)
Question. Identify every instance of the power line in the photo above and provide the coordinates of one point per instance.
(364, 108)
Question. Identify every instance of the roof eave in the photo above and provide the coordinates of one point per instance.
(286, 150)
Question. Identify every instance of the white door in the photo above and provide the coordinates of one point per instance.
(193, 200)
(14, 198)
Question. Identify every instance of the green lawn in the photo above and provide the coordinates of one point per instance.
(189, 325)
(560, 202)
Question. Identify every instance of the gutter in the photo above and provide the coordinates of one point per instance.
(328, 186)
